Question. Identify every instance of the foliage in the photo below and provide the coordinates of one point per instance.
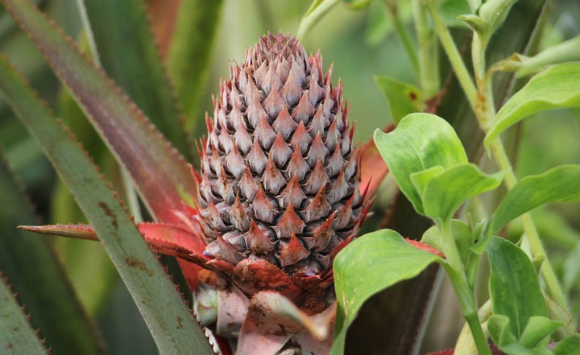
(140, 77)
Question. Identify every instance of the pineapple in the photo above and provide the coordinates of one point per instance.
(280, 176)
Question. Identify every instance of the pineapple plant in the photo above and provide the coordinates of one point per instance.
(282, 189)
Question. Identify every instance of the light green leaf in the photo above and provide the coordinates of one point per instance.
(500, 330)
(44, 290)
(559, 184)
(190, 54)
(420, 141)
(566, 51)
(513, 285)
(171, 324)
(368, 265)
(494, 12)
(449, 189)
(402, 98)
(16, 334)
(557, 87)
(421, 179)
(569, 346)
(537, 329)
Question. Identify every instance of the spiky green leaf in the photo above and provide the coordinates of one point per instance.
(160, 173)
(170, 321)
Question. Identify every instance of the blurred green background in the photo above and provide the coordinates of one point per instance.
(361, 44)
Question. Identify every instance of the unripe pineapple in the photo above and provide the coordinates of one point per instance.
(280, 175)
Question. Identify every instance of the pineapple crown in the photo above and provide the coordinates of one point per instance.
(280, 174)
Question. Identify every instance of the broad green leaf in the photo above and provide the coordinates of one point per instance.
(368, 265)
(568, 346)
(44, 290)
(421, 179)
(126, 50)
(127, 131)
(538, 329)
(462, 236)
(168, 318)
(402, 98)
(189, 55)
(448, 190)
(16, 335)
(560, 184)
(566, 51)
(513, 285)
(315, 13)
(420, 141)
(557, 87)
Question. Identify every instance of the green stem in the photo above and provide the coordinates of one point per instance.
(428, 51)
(481, 101)
(450, 247)
(468, 308)
(404, 35)
(313, 16)
(446, 40)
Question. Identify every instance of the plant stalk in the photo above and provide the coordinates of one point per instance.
(452, 53)
(481, 101)
(404, 35)
(428, 51)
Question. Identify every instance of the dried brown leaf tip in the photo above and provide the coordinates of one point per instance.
(279, 170)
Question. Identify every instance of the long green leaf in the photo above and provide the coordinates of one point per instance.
(420, 141)
(45, 291)
(160, 174)
(557, 87)
(170, 321)
(16, 334)
(569, 346)
(190, 53)
(513, 285)
(371, 264)
(126, 50)
(560, 184)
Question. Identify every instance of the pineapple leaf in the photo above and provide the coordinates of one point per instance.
(127, 51)
(163, 238)
(557, 87)
(368, 265)
(172, 326)
(159, 172)
(46, 292)
(189, 55)
(16, 335)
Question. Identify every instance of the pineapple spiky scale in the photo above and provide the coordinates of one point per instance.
(280, 175)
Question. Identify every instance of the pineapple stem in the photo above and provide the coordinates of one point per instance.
(428, 51)
(404, 35)
(448, 45)
(482, 103)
